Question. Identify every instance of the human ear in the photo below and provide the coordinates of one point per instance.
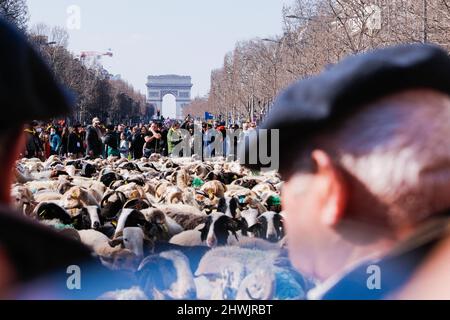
(332, 188)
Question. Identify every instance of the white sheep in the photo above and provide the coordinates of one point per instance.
(134, 293)
(115, 258)
(250, 274)
(188, 238)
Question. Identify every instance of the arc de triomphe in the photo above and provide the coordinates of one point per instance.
(179, 86)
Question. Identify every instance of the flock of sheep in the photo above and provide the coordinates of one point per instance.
(186, 229)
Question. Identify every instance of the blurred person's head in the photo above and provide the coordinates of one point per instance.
(29, 91)
(96, 122)
(370, 181)
(176, 125)
(364, 168)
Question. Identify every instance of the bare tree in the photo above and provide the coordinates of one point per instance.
(15, 11)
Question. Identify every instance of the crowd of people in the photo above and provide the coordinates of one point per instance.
(130, 142)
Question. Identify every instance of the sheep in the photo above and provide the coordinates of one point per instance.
(115, 258)
(168, 227)
(249, 218)
(77, 197)
(36, 185)
(111, 204)
(51, 211)
(138, 204)
(88, 218)
(187, 221)
(201, 170)
(130, 218)
(251, 274)
(167, 276)
(182, 179)
(161, 188)
(97, 190)
(22, 199)
(169, 209)
(268, 226)
(133, 239)
(134, 293)
(229, 206)
(64, 184)
(132, 190)
(47, 195)
(247, 182)
(187, 238)
(71, 170)
(215, 231)
(214, 188)
(173, 195)
(263, 187)
(22, 175)
(252, 243)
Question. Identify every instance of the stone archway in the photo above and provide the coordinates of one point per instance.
(178, 86)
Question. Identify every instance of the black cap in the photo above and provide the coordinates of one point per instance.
(28, 89)
(316, 104)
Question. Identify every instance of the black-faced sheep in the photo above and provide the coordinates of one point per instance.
(269, 226)
(215, 231)
(167, 276)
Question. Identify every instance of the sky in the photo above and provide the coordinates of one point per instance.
(153, 37)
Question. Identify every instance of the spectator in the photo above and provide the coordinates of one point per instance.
(124, 147)
(64, 141)
(55, 142)
(33, 146)
(93, 139)
(111, 141)
(152, 141)
(74, 143)
(173, 137)
(137, 143)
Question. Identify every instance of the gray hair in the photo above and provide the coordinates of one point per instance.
(398, 148)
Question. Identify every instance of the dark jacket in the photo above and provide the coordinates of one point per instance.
(74, 143)
(396, 268)
(137, 143)
(33, 144)
(64, 144)
(112, 144)
(93, 141)
(154, 146)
